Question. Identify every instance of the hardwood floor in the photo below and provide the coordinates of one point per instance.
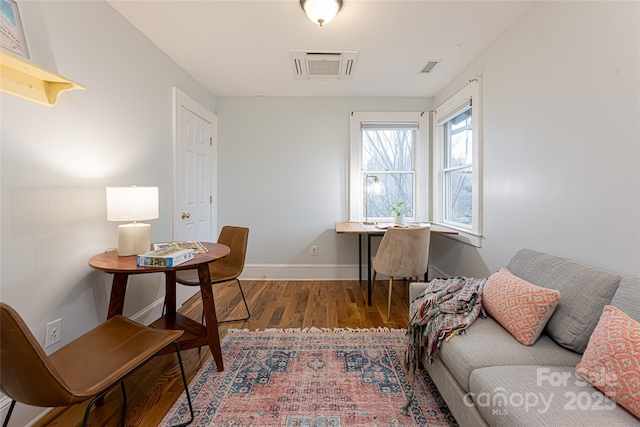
(273, 304)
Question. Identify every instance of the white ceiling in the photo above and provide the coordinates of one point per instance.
(241, 48)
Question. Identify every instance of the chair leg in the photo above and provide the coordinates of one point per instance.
(389, 302)
(6, 419)
(245, 306)
(244, 299)
(101, 396)
(86, 411)
(186, 386)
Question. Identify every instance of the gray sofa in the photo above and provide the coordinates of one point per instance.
(488, 378)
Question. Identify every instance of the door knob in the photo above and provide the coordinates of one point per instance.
(186, 215)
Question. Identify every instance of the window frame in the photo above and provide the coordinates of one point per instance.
(449, 109)
(420, 157)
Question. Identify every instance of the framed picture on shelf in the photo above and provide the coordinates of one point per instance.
(12, 34)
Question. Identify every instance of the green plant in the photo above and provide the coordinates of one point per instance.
(400, 209)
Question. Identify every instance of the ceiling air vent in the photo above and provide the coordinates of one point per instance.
(323, 65)
(430, 66)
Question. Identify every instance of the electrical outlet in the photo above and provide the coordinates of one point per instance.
(314, 250)
(54, 333)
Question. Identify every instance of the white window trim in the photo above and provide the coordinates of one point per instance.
(421, 156)
(472, 234)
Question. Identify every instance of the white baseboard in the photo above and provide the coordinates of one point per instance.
(23, 415)
(435, 272)
(154, 310)
(150, 313)
(311, 272)
(301, 272)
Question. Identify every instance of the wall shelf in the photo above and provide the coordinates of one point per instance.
(21, 77)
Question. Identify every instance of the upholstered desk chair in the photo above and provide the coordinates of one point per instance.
(403, 252)
(85, 369)
(226, 269)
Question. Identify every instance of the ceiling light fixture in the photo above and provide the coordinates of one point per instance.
(321, 11)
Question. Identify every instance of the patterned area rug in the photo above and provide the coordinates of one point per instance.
(311, 378)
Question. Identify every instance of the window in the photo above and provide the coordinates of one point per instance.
(392, 149)
(458, 168)
(457, 163)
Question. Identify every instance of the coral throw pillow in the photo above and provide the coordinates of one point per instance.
(611, 362)
(520, 307)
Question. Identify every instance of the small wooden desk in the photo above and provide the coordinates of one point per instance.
(195, 334)
(371, 230)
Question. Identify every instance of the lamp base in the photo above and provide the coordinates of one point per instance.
(134, 239)
(369, 223)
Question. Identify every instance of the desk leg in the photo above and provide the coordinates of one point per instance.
(170, 291)
(369, 267)
(209, 308)
(118, 290)
(360, 258)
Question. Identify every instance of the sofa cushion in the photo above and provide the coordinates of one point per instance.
(486, 343)
(627, 297)
(520, 307)
(542, 396)
(585, 292)
(611, 361)
(415, 289)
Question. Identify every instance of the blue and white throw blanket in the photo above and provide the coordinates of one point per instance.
(447, 307)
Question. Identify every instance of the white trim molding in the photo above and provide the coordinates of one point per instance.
(320, 272)
(300, 272)
(22, 414)
(421, 155)
(435, 272)
(467, 97)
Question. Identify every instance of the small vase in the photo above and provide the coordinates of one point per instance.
(399, 220)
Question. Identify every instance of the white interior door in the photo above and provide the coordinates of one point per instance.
(194, 198)
(194, 208)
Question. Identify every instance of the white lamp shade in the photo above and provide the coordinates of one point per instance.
(321, 11)
(132, 203)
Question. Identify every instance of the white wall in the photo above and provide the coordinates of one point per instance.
(283, 173)
(56, 163)
(561, 140)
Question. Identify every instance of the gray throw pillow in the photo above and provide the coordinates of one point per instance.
(627, 297)
(585, 292)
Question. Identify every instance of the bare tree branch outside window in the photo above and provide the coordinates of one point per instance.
(458, 170)
(388, 153)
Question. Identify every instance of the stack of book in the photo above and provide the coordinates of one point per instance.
(198, 247)
(168, 256)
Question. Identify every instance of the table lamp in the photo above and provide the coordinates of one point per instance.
(376, 188)
(132, 204)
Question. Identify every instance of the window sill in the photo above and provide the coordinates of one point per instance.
(464, 236)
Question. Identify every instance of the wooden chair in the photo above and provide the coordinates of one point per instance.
(403, 252)
(225, 269)
(85, 369)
